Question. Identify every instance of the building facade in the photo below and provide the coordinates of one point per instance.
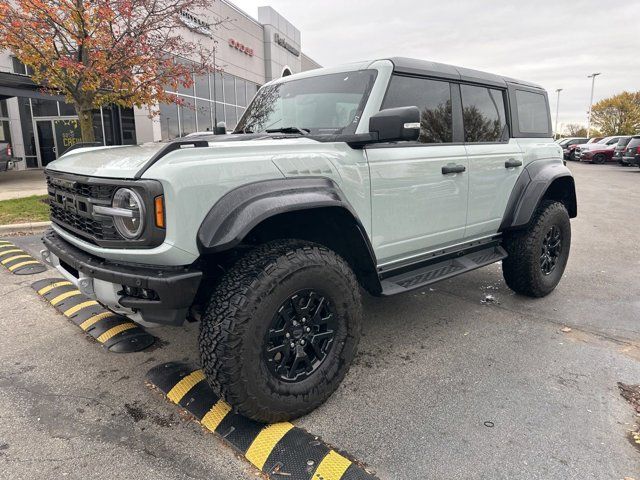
(249, 52)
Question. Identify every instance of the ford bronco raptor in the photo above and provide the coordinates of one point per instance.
(384, 175)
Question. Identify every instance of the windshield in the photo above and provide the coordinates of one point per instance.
(324, 104)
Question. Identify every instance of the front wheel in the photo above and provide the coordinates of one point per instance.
(538, 254)
(599, 158)
(281, 330)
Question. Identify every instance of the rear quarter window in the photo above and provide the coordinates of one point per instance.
(634, 142)
(533, 116)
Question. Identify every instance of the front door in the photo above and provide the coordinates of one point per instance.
(495, 161)
(46, 142)
(419, 190)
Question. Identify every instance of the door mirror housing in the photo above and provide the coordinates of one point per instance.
(395, 124)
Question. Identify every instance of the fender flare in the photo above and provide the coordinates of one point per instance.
(236, 213)
(531, 187)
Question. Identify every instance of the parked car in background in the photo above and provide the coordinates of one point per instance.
(631, 155)
(6, 157)
(569, 144)
(619, 149)
(599, 152)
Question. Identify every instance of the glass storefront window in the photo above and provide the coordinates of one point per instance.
(4, 111)
(202, 86)
(67, 109)
(187, 117)
(5, 131)
(169, 121)
(44, 108)
(231, 117)
(241, 92)
(203, 114)
(128, 125)
(229, 89)
(218, 113)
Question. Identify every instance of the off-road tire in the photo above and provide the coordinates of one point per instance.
(522, 269)
(242, 306)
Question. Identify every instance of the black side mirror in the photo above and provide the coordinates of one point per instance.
(396, 124)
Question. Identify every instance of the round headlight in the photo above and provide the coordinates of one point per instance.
(128, 225)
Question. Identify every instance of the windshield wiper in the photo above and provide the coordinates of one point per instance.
(301, 131)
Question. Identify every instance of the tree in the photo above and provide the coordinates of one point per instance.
(101, 52)
(618, 115)
(575, 130)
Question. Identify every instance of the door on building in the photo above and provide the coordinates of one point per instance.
(55, 137)
(46, 142)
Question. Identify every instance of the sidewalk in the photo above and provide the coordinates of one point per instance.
(23, 183)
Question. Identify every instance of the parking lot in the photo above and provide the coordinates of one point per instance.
(447, 383)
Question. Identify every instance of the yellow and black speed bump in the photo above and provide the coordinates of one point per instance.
(17, 261)
(115, 332)
(280, 450)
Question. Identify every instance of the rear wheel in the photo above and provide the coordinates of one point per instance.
(538, 254)
(599, 158)
(281, 330)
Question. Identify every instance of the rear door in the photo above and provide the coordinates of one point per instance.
(495, 160)
(419, 190)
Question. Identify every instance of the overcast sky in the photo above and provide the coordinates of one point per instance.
(553, 43)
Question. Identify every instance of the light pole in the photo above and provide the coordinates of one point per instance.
(593, 81)
(558, 90)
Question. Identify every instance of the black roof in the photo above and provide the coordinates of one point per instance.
(423, 67)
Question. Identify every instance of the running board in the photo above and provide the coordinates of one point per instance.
(441, 270)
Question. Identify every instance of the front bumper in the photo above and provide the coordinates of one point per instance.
(635, 160)
(104, 280)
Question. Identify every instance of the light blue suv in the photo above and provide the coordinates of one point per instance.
(385, 175)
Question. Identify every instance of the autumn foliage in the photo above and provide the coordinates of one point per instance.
(100, 52)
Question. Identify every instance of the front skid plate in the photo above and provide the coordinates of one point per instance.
(280, 450)
(115, 332)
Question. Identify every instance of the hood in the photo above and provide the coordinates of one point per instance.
(112, 162)
(127, 161)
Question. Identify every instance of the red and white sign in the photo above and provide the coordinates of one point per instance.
(239, 46)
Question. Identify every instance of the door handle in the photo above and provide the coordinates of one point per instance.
(512, 163)
(451, 168)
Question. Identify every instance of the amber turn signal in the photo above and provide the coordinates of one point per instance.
(159, 204)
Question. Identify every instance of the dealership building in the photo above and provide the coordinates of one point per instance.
(249, 52)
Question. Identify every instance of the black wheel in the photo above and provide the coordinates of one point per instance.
(281, 330)
(538, 254)
(572, 155)
(599, 158)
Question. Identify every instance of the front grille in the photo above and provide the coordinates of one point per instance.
(71, 208)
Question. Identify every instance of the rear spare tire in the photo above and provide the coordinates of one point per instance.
(281, 330)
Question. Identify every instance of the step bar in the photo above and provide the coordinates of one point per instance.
(441, 270)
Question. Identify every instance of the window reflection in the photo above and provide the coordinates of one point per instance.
(483, 114)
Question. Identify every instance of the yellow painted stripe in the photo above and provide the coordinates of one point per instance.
(332, 467)
(64, 296)
(22, 264)
(2, 242)
(95, 319)
(6, 245)
(265, 442)
(214, 417)
(10, 259)
(13, 250)
(80, 306)
(181, 388)
(112, 332)
(48, 288)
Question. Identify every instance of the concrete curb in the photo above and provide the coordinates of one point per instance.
(31, 227)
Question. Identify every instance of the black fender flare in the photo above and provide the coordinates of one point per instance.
(236, 213)
(531, 187)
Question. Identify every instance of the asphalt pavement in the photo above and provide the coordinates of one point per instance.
(461, 380)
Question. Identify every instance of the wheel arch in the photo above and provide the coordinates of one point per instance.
(312, 209)
(542, 180)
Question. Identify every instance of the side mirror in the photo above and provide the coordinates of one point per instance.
(396, 124)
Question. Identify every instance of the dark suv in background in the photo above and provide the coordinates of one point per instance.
(618, 151)
(631, 155)
(6, 157)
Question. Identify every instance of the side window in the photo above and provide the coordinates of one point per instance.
(483, 114)
(432, 97)
(533, 116)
